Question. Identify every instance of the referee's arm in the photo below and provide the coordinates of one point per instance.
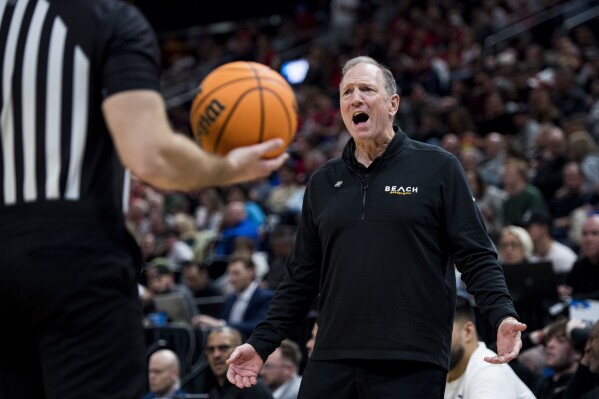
(148, 146)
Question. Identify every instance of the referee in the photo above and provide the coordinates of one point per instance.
(80, 105)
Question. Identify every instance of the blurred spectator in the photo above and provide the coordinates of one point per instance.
(583, 280)
(522, 196)
(515, 246)
(549, 166)
(451, 143)
(546, 249)
(245, 246)
(490, 201)
(491, 169)
(149, 247)
(254, 211)
(163, 376)
(469, 375)
(196, 278)
(209, 212)
(246, 306)
(281, 242)
(580, 142)
(495, 116)
(571, 196)
(235, 223)
(567, 96)
(176, 251)
(161, 280)
(541, 107)
(220, 343)
(584, 383)
(561, 357)
(280, 370)
(526, 132)
(278, 199)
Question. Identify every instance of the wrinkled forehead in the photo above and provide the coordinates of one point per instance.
(362, 74)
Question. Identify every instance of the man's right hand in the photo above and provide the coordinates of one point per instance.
(244, 366)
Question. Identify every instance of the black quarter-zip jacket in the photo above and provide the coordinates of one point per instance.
(379, 244)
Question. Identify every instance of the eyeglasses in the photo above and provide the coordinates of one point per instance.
(220, 348)
(509, 244)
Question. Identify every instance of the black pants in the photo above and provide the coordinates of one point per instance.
(372, 379)
(70, 315)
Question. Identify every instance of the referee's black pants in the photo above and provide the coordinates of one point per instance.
(372, 379)
(70, 315)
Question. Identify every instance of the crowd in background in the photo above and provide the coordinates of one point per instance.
(521, 114)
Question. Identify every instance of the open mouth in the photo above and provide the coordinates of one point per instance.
(359, 117)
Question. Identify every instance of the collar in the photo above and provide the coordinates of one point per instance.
(397, 142)
(246, 294)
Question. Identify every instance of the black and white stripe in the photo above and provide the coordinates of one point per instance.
(44, 108)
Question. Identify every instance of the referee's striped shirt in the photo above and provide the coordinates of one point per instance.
(58, 60)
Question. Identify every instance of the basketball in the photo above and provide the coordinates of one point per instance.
(242, 103)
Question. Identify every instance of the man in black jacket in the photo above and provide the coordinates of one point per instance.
(380, 231)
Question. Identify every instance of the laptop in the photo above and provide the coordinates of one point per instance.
(174, 305)
(531, 281)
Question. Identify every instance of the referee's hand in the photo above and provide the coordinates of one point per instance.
(509, 341)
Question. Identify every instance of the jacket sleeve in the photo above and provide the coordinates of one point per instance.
(471, 249)
(299, 287)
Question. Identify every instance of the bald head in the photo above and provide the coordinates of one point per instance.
(163, 371)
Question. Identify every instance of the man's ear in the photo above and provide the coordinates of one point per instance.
(469, 331)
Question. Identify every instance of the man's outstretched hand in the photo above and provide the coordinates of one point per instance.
(244, 366)
(509, 341)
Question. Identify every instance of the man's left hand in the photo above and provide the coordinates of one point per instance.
(509, 341)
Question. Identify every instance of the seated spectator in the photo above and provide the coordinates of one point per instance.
(245, 246)
(281, 242)
(546, 249)
(561, 357)
(571, 196)
(277, 201)
(197, 279)
(516, 248)
(522, 196)
(176, 250)
(280, 371)
(491, 169)
(210, 209)
(240, 192)
(584, 382)
(220, 343)
(489, 200)
(161, 280)
(235, 223)
(163, 376)
(246, 306)
(580, 141)
(515, 245)
(550, 163)
(470, 376)
(583, 280)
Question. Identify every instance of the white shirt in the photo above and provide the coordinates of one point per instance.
(561, 257)
(483, 380)
(241, 304)
(288, 390)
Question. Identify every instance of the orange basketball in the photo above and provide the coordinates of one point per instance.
(243, 103)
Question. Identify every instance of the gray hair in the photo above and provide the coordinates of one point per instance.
(390, 85)
(522, 235)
